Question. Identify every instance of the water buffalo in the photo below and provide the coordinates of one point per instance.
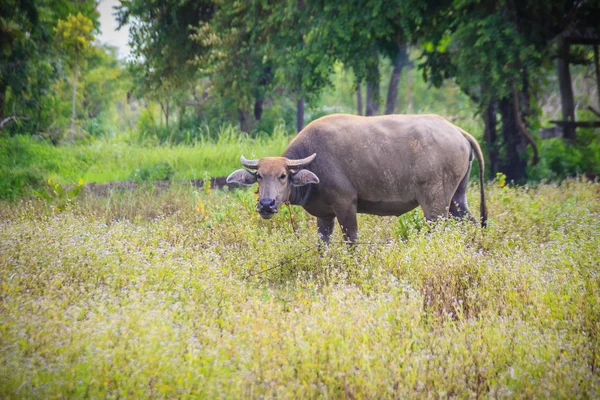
(340, 165)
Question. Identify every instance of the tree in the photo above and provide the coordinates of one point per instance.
(162, 50)
(496, 51)
(30, 64)
(74, 36)
(239, 60)
(360, 32)
(298, 41)
(104, 80)
(17, 19)
(354, 32)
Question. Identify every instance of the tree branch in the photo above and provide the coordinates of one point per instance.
(592, 109)
(7, 120)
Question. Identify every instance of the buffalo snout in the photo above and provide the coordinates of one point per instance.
(266, 207)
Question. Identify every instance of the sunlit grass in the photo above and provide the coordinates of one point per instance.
(185, 294)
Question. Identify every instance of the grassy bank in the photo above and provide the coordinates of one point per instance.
(188, 294)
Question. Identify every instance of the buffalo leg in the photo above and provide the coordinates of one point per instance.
(435, 203)
(458, 205)
(346, 215)
(325, 228)
(435, 209)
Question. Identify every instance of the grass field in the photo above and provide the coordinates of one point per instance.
(26, 164)
(187, 294)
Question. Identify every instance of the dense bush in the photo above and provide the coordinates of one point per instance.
(559, 159)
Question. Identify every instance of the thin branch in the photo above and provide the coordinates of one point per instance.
(592, 109)
(11, 118)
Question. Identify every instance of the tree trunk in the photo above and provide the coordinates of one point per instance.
(359, 103)
(74, 96)
(39, 107)
(372, 99)
(160, 117)
(373, 96)
(490, 135)
(399, 63)
(514, 143)
(181, 108)
(597, 67)
(3, 87)
(245, 120)
(566, 90)
(259, 94)
(167, 115)
(409, 98)
(165, 108)
(300, 114)
(258, 108)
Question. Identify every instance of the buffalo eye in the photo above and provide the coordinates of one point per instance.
(258, 176)
(283, 176)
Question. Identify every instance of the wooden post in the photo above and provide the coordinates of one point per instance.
(566, 90)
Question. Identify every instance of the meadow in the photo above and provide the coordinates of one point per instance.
(187, 293)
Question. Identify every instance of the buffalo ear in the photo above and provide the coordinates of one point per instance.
(303, 177)
(243, 177)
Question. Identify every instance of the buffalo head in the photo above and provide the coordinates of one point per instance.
(275, 177)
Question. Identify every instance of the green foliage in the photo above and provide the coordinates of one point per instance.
(32, 66)
(206, 182)
(59, 197)
(74, 35)
(149, 294)
(239, 59)
(35, 82)
(151, 173)
(104, 84)
(97, 126)
(18, 181)
(23, 166)
(200, 66)
(500, 53)
(160, 64)
(161, 48)
(26, 163)
(559, 159)
(409, 223)
(354, 31)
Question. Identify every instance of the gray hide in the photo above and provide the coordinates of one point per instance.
(385, 165)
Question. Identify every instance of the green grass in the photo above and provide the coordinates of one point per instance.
(25, 164)
(184, 294)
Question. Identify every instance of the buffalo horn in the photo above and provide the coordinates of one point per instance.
(252, 164)
(302, 162)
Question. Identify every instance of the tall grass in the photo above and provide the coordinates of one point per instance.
(187, 294)
(26, 163)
